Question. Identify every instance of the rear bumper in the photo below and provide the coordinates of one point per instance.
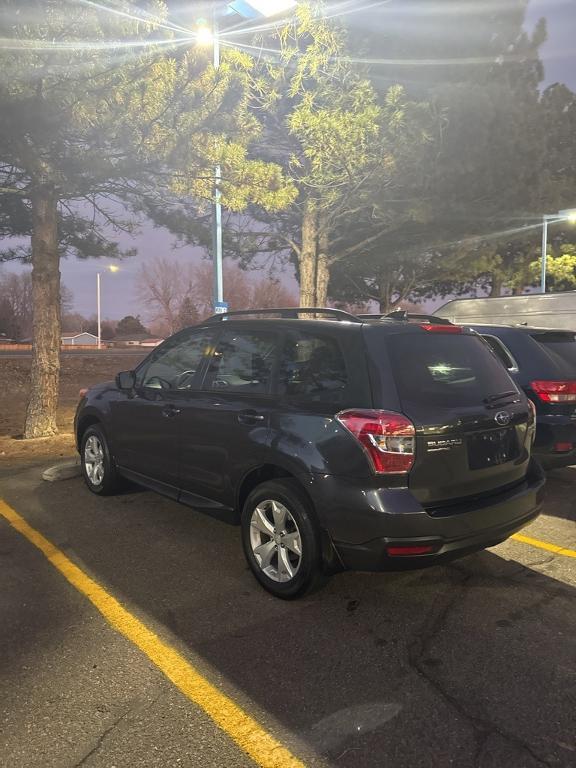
(550, 431)
(474, 526)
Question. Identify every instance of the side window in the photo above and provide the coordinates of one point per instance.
(501, 352)
(242, 362)
(176, 364)
(313, 367)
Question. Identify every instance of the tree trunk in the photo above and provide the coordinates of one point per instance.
(322, 280)
(308, 255)
(45, 374)
(385, 298)
(496, 286)
(322, 264)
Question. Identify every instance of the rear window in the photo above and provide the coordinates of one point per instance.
(312, 367)
(446, 371)
(560, 348)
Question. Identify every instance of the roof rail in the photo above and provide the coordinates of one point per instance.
(287, 313)
(402, 316)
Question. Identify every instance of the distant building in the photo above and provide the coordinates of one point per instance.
(83, 339)
(135, 340)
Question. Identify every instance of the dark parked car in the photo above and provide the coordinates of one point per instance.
(543, 362)
(334, 443)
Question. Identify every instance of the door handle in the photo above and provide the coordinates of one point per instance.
(250, 417)
(170, 411)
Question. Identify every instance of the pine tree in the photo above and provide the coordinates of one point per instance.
(101, 106)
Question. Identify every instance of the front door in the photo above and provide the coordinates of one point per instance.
(147, 422)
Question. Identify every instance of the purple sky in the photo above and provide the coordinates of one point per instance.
(559, 51)
(118, 290)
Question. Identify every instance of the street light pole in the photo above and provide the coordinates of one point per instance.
(217, 215)
(110, 268)
(544, 253)
(206, 36)
(98, 308)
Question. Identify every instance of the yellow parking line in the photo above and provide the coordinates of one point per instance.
(545, 545)
(249, 735)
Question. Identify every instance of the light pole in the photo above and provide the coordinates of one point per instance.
(205, 35)
(566, 215)
(110, 268)
(219, 305)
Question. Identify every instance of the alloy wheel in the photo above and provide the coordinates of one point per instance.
(94, 460)
(275, 540)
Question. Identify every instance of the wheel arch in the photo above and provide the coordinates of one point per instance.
(272, 471)
(259, 475)
(87, 420)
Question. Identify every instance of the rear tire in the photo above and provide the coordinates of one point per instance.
(97, 464)
(281, 539)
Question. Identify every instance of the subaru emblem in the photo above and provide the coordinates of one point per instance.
(502, 418)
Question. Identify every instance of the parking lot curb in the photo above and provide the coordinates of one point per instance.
(62, 472)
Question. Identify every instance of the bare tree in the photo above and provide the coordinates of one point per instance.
(269, 293)
(237, 288)
(17, 304)
(162, 286)
(16, 300)
(66, 299)
(178, 295)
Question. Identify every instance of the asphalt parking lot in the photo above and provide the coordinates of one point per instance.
(471, 664)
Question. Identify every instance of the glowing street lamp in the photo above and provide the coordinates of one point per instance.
(110, 268)
(568, 215)
(209, 36)
(204, 35)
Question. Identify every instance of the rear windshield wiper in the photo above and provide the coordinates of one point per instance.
(493, 398)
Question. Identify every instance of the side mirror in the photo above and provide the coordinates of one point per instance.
(126, 380)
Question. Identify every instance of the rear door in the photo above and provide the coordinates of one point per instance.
(474, 427)
(225, 426)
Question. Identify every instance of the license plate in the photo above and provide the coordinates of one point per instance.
(490, 449)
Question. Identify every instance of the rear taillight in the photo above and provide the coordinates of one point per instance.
(388, 438)
(563, 447)
(441, 328)
(555, 391)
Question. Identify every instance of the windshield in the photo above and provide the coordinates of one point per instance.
(447, 370)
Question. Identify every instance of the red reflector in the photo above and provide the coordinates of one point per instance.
(563, 447)
(388, 438)
(555, 391)
(399, 551)
(441, 328)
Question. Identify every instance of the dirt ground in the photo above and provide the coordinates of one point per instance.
(77, 371)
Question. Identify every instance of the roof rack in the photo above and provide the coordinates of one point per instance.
(402, 316)
(287, 313)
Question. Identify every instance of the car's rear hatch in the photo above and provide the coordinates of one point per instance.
(554, 388)
(473, 426)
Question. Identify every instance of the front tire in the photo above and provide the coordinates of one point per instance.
(281, 539)
(98, 468)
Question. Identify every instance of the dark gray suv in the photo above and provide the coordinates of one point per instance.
(334, 443)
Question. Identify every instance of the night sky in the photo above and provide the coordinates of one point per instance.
(118, 292)
(559, 51)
